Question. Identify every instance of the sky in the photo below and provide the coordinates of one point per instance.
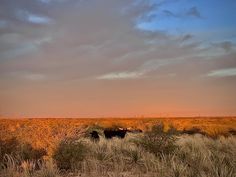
(117, 58)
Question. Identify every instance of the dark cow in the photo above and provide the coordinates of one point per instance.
(110, 133)
(94, 136)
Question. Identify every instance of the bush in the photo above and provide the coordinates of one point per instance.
(69, 154)
(101, 153)
(8, 147)
(27, 152)
(21, 151)
(159, 142)
(133, 156)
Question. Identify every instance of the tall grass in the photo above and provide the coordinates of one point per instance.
(69, 154)
(158, 141)
(193, 156)
(13, 168)
(48, 169)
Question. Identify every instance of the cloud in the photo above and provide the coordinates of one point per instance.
(45, 1)
(169, 13)
(141, 72)
(191, 12)
(227, 46)
(38, 19)
(34, 77)
(32, 18)
(27, 76)
(15, 45)
(194, 12)
(120, 75)
(154, 64)
(107, 42)
(223, 72)
(3, 24)
(140, 9)
(187, 37)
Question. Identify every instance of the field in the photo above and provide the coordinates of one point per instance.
(61, 147)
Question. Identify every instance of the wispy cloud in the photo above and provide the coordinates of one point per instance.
(38, 19)
(223, 72)
(194, 12)
(190, 12)
(28, 76)
(228, 46)
(121, 75)
(187, 37)
(141, 72)
(3, 24)
(32, 18)
(169, 13)
(45, 1)
(34, 77)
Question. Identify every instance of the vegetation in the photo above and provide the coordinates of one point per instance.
(158, 152)
(20, 151)
(158, 141)
(69, 154)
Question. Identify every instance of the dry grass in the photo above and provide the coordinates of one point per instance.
(183, 156)
(196, 156)
(47, 133)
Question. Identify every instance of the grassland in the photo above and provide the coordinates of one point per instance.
(70, 153)
(46, 133)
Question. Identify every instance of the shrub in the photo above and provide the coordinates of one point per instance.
(102, 153)
(158, 141)
(8, 147)
(21, 151)
(69, 154)
(27, 152)
(133, 156)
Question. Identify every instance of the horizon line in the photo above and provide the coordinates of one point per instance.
(122, 117)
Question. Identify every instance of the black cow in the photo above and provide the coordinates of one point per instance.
(94, 136)
(110, 133)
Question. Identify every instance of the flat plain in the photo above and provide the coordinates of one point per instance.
(45, 132)
(166, 147)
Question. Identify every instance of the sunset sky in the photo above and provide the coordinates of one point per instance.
(117, 58)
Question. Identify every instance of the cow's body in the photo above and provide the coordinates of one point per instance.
(110, 133)
(94, 136)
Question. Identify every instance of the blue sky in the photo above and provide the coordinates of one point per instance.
(216, 20)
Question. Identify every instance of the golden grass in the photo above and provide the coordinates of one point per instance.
(46, 133)
(197, 156)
